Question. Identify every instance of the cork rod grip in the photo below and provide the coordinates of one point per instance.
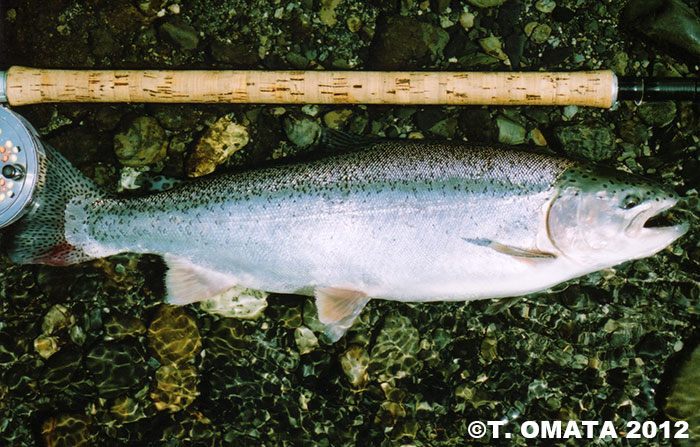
(31, 86)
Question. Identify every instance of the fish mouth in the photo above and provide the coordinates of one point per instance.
(659, 221)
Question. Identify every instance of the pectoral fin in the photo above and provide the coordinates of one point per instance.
(510, 250)
(187, 283)
(338, 308)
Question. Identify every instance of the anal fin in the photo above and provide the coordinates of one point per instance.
(338, 309)
(187, 283)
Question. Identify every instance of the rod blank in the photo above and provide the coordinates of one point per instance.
(31, 86)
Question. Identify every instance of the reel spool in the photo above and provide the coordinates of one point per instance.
(22, 160)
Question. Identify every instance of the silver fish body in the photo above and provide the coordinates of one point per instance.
(414, 221)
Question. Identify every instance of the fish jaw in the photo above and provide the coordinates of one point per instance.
(651, 240)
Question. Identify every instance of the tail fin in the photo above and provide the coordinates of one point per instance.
(39, 237)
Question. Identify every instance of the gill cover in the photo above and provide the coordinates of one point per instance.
(598, 216)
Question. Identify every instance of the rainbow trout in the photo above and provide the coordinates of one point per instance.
(408, 221)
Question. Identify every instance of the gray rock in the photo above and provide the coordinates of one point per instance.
(658, 114)
(477, 125)
(668, 21)
(593, 142)
(175, 116)
(403, 41)
(633, 132)
(445, 128)
(510, 132)
(103, 42)
(243, 54)
(141, 143)
(302, 132)
(180, 33)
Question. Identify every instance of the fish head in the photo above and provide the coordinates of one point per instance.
(603, 217)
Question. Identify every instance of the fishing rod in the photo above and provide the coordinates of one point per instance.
(23, 85)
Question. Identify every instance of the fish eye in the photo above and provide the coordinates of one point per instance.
(630, 201)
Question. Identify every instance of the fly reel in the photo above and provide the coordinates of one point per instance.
(22, 160)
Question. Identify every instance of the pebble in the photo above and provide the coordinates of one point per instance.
(355, 361)
(510, 132)
(466, 19)
(537, 137)
(175, 116)
(486, 3)
(218, 143)
(541, 33)
(394, 354)
(46, 345)
(58, 372)
(118, 325)
(237, 302)
(305, 339)
(180, 33)
(173, 335)
(493, 46)
(404, 41)
(633, 132)
(57, 318)
(683, 401)
(545, 6)
(226, 340)
(569, 111)
(596, 143)
(336, 119)
(116, 368)
(67, 430)
(669, 21)
(142, 143)
(127, 409)
(327, 13)
(226, 51)
(354, 24)
(302, 132)
(176, 387)
(658, 114)
(529, 28)
(445, 128)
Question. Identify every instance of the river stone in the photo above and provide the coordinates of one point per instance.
(595, 143)
(173, 335)
(403, 41)
(667, 21)
(302, 132)
(141, 143)
(683, 401)
(218, 143)
(658, 114)
(486, 3)
(180, 33)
